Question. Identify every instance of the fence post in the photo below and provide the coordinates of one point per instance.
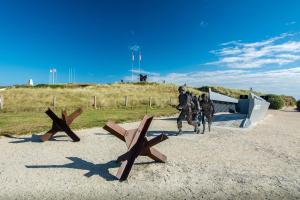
(150, 102)
(126, 101)
(170, 101)
(1, 102)
(54, 102)
(95, 102)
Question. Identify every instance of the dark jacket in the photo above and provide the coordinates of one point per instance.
(185, 101)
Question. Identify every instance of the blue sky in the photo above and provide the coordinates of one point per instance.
(238, 44)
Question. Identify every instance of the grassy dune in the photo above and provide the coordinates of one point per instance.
(24, 107)
(108, 96)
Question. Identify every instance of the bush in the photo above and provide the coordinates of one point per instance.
(289, 101)
(298, 105)
(276, 102)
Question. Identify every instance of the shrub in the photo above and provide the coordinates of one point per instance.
(276, 102)
(298, 105)
(289, 101)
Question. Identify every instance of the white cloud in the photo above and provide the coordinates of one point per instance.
(280, 81)
(281, 50)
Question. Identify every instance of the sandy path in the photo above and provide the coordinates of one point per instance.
(258, 163)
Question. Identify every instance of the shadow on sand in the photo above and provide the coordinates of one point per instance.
(168, 133)
(93, 169)
(33, 138)
(168, 119)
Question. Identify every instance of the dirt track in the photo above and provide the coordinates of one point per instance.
(258, 163)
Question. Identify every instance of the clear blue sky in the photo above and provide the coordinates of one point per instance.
(181, 41)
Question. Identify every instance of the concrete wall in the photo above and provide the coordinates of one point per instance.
(258, 108)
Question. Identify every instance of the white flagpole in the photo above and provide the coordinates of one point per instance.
(52, 76)
(74, 75)
(55, 81)
(132, 66)
(71, 74)
(140, 59)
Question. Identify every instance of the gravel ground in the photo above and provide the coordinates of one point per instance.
(262, 162)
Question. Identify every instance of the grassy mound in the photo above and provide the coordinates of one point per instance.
(289, 101)
(38, 98)
(24, 106)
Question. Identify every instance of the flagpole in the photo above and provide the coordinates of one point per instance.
(74, 75)
(132, 66)
(140, 58)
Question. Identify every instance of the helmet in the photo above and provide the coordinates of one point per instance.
(181, 89)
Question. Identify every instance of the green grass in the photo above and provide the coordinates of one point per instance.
(37, 99)
(34, 122)
(24, 106)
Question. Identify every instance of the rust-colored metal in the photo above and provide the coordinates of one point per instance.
(61, 125)
(137, 144)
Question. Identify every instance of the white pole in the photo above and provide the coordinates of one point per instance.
(132, 72)
(132, 59)
(140, 56)
(53, 75)
(70, 74)
(139, 67)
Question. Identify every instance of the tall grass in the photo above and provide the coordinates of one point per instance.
(19, 99)
(24, 106)
(34, 122)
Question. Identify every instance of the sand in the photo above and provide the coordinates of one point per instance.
(262, 162)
